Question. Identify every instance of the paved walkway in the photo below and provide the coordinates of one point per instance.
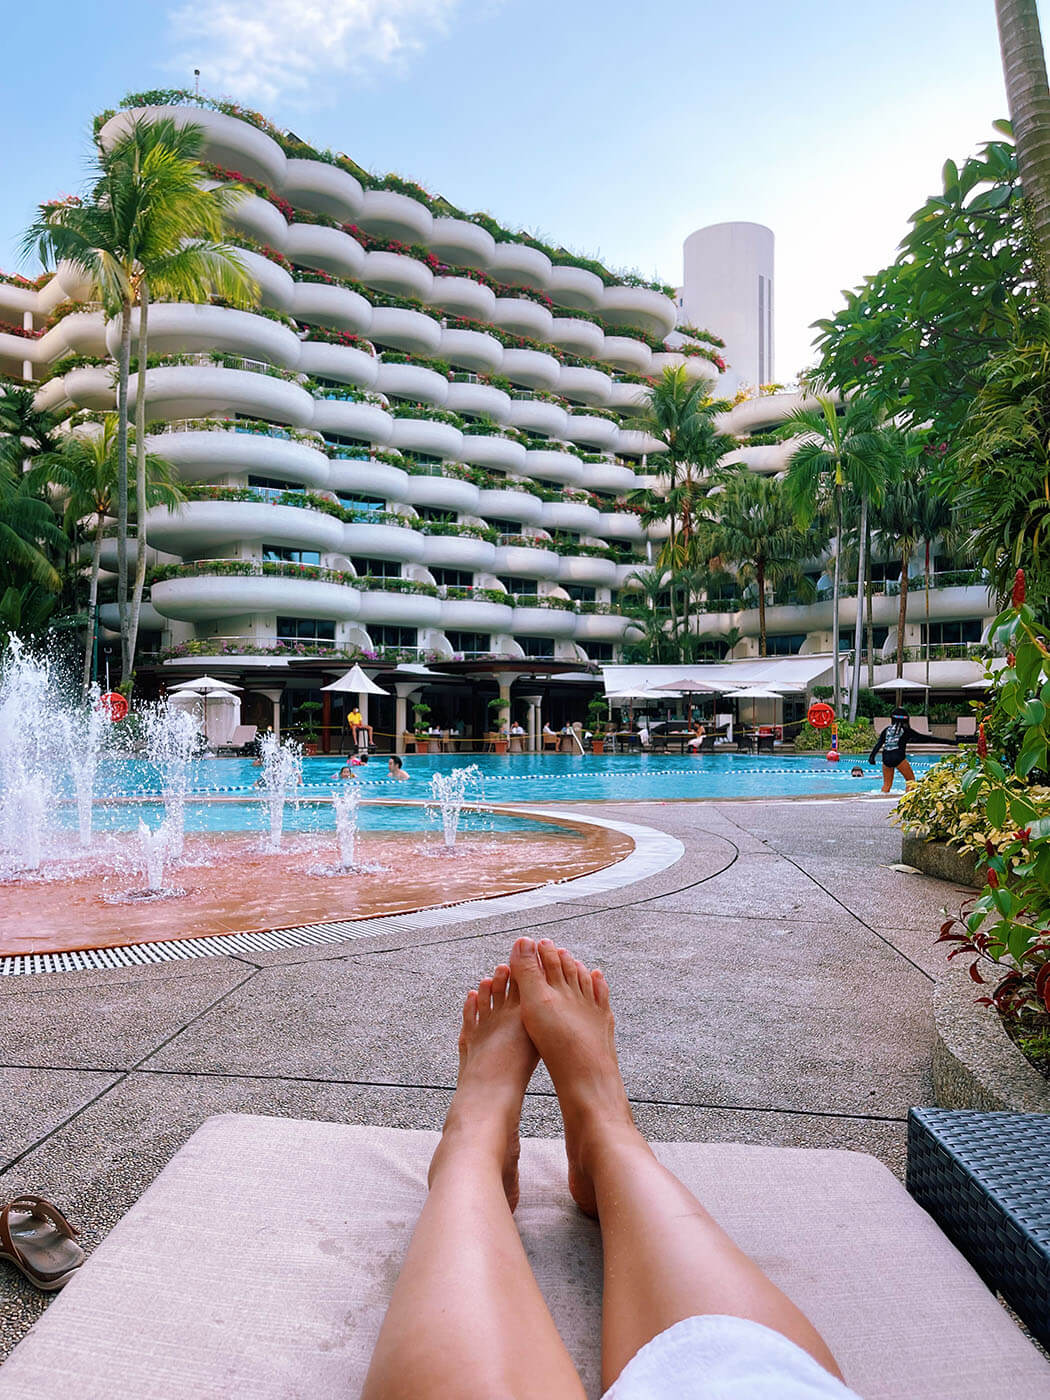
(773, 986)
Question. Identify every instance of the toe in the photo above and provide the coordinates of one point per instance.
(551, 962)
(484, 998)
(525, 964)
(470, 1010)
(583, 976)
(568, 969)
(601, 989)
(500, 979)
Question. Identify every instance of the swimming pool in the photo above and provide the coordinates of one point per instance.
(547, 777)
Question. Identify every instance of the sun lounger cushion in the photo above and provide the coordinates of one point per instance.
(260, 1262)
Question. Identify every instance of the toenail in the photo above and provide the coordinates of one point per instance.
(525, 945)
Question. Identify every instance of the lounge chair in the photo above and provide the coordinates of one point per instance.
(239, 740)
(965, 727)
(220, 1287)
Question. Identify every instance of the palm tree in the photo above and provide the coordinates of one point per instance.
(30, 539)
(751, 529)
(149, 227)
(645, 603)
(835, 451)
(1024, 68)
(897, 532)
(936, 518)
(86, 469)
(680, 415)
(25, 430)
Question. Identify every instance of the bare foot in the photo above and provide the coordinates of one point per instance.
(565, 1009)
(496, 1061)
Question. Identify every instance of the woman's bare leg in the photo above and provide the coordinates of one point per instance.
(466, 1318)
(887, 777)
(665, 1258)
(908, 773)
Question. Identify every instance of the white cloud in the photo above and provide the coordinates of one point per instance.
(265, 49)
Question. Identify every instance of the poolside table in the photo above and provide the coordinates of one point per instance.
(985, 1179)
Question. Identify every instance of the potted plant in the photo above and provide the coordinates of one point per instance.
(597, 719)
(307, 714)
(499, 709)
(421, 720)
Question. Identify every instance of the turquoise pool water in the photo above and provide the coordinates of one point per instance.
(542, 778)
(305, 816)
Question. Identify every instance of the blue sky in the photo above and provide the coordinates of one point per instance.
(615, 128)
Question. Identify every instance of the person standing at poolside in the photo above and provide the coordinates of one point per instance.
(893, 742)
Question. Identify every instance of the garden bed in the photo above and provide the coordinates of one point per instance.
(944, 862)
(975, 1063)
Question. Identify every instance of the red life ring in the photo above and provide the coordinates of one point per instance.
(820, 715)
(113, 705)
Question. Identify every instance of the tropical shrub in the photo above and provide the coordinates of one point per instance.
(856, 737)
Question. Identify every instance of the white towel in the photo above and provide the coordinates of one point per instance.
(724, 1358)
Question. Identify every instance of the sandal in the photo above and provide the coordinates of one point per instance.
(38, 1239)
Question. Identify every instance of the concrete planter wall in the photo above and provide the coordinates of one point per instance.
(943, 861)
(975, 1063)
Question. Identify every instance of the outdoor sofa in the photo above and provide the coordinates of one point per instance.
(260, 1262)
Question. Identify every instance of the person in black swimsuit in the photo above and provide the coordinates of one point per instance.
(893, 741)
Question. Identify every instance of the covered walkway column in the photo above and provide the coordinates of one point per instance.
(504, 680)
(273, 694)
(533, 725)
(404, 690)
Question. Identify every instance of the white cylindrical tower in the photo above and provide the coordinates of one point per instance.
(728, 288)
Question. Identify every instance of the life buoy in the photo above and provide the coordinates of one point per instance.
(820, 715)
(113, 705)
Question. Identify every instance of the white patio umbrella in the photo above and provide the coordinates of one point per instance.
(208, 688)
(689, 686)
(356, 681)
(900, 683)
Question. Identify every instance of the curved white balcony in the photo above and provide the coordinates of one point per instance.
(91, 386)
(544, 622)
(405, 609)
(229, 142)
(322, 188)
(520, 266)
(365, 421)
(510, 505)
(387, 214)
(205, 455)
(588, 569)
(592, 430)
(625, 397)
(695, 366)
(276, 288)
(521, 316)
(426, 436)
(79, 333)
(458, 552)
(639, 306)
(15, 300)
(608, 476)
(260, 220)
(603, 627)
(462, 296)
(577, 336)
(585, 385)
(531, 368)
(414, 382)
(443, 492)
(635, 443)
(526, 561)
(465, 396)
(206, 390)
(336, 307)
(328, 249)
(502, 454)
(617, 525)
(569, 515)
(472, 350)
(764, 411)
(563, 467)
(381, 541)
(398, 274)
(575, 288)
(538, 416)
(150, 619)
(201, 527)
(476, 615)
(626, 353)
(459, 241)
(352, 476)
(767, 459)
(347, 363)
(403, 329)
(659, 530)
(207, 597)
(174, 327)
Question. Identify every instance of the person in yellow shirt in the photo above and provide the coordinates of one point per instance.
(357, 727)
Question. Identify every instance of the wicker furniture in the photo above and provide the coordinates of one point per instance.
(985, 1179)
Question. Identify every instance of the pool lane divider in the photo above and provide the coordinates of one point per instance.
(653, 852)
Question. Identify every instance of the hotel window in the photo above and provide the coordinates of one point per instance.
(537, 647)
(453, 578)
(469, 642)
(384, 635)
(375, 568)
(283, 554)
(305, 629)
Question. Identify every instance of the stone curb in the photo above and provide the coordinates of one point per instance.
(975, 1063)
(941, 860)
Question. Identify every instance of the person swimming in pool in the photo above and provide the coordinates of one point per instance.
(396, 769)
(893, 742)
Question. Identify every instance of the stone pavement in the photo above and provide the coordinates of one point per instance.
(773, 987)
